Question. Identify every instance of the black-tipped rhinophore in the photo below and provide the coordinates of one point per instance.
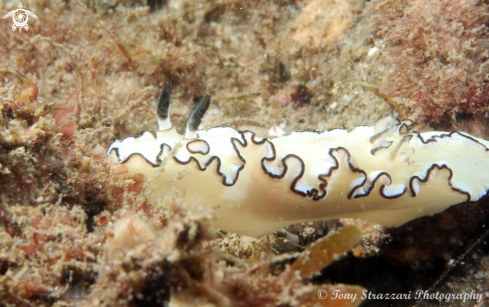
(198, 113)
(164, 102)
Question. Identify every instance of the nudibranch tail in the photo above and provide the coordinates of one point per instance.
(386, 173)
(163, 108)
(195, 117)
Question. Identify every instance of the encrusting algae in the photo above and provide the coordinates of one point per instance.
(74, 233)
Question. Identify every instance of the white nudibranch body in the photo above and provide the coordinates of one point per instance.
(384, 173)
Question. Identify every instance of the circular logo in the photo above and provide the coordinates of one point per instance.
(20, 18)
(322, 294)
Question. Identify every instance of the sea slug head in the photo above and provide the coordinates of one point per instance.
(152, 149)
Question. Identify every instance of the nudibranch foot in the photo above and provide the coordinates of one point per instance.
(386, 173)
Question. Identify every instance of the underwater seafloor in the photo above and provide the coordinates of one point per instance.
(73, 233)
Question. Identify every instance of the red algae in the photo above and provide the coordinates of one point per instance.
(437, 51)
(68, 129)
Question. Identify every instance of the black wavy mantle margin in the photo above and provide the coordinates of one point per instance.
(312, 193)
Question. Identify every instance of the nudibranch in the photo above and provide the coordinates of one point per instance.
(386, 173)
